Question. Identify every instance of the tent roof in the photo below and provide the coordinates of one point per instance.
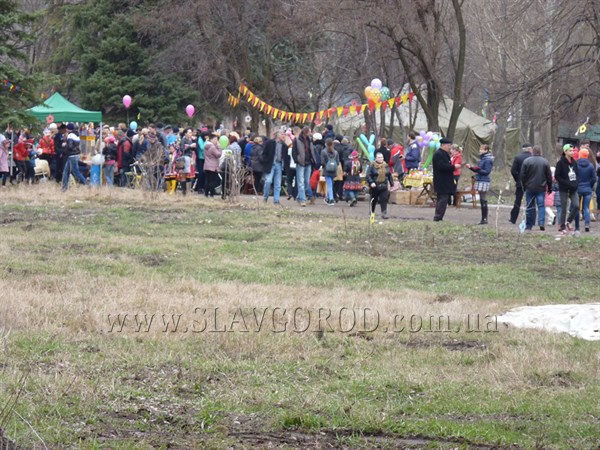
(481, 126)
(63, 111)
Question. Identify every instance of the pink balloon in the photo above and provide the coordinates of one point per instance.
(190, 110)
(127, 101)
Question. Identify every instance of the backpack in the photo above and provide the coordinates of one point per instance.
(331, 166)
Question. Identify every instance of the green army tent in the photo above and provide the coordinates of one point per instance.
(63, 110)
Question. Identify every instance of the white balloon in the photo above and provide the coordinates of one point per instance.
(376, 83)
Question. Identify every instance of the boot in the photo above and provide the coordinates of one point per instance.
(484, 213)
(384, 215)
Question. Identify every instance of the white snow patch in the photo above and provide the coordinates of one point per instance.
(582, 321)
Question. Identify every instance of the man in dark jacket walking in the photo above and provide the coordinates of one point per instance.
(536, 179)
(566, 177)
(443, 178)
(272, 162)
(515, 171)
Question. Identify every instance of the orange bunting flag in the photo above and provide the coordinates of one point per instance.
(345, 111)
(340, 109)
(311, 116)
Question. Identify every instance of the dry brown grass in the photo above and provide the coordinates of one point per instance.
(56, 329)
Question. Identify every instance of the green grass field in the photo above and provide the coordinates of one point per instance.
(188, 323)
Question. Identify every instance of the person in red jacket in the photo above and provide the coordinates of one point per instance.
(46, 148)
(456, 158)
(21, 156)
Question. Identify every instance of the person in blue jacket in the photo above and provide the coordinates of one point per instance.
(585, 183)
(482, 179)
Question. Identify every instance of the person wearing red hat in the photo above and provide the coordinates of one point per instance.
(585, 183)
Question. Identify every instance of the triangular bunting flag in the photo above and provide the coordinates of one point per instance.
(320, 113)
(340, 109)
(362, 108)
(371, 105)
(250, 96)
(269, 109)
(297, 117)
(311, 116)
(411, 95)
(404, 99)
(345, 111)
(391, 102)
(262, 106)
(352, 110)
(304, 116)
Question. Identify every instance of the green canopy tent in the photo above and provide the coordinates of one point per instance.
(63, 110)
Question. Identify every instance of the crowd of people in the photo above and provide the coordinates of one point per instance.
(293, 161)
(568, 187)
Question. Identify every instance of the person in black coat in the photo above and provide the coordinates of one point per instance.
(515, 171)
(443, 178)
(567, 174)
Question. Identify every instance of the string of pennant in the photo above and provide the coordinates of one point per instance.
(304, 117)
(13, 87)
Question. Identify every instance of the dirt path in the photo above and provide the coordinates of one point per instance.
(465, 215)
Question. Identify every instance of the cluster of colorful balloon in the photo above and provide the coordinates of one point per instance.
(377, 92)
(430, 140)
